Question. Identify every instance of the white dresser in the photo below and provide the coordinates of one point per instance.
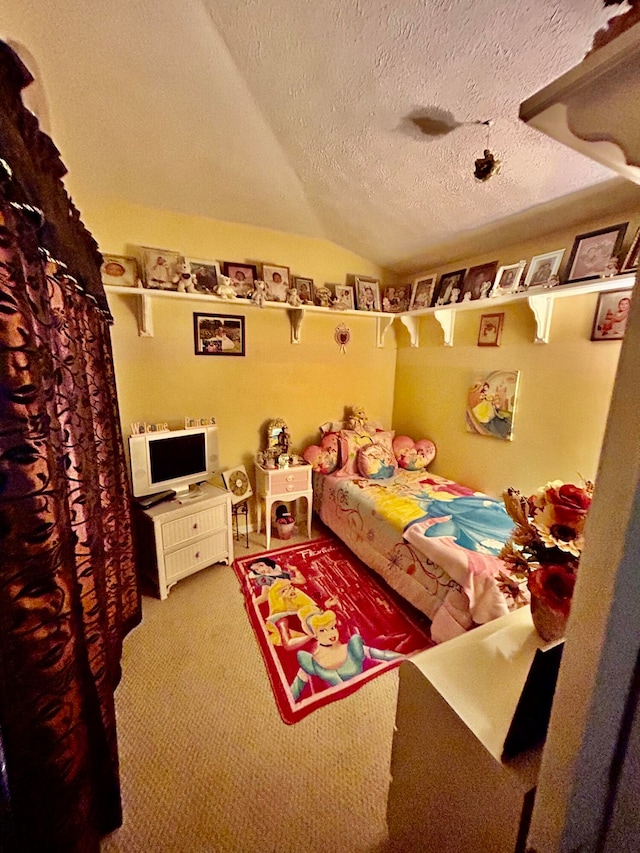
(174, 540)
(281, 485)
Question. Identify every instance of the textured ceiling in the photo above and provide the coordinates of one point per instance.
(294, 115)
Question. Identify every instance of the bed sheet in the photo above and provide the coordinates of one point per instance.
(433, 540)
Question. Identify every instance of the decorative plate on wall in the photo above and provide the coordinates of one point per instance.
(237, 482)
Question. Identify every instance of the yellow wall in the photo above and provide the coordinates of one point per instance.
(160, 379)
(565, 385)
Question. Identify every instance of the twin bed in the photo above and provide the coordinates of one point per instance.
(432, 540)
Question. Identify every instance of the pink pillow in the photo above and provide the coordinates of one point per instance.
(351, 442)
(323, 457)
(413, 455)
(376, 462)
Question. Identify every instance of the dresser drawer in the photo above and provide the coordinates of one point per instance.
(290, 480)
(196, 556)
(191, 526)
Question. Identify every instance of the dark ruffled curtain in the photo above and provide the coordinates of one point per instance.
(68, 589)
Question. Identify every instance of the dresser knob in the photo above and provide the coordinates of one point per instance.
(289, 488)
(197, 555)
(290, 478)
(195, 526)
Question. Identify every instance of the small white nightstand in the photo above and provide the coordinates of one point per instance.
(284, 485)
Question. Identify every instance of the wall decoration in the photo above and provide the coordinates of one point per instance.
(189, 423)
(277, 281)
(395, 298)
(304, 286)
(342, 336)
(612, 313)
(345, 296)
(422, 292)
(592, 252)
(237, 482)
(478, 281)
(367, 294)
(159, 268)
(490, 331)
(491, 403)
(206, 275)
(242, 277)
(542, 268)
(507, 279)
(633, 255)
(119, 270)
(449, 288)
(218, 334)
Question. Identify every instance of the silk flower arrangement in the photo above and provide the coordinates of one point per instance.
(545, 547)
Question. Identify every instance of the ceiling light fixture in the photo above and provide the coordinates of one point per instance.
(486, 166)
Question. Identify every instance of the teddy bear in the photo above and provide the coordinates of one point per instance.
(357, 419)
(184, 278)
(224, 288)
(259, 295)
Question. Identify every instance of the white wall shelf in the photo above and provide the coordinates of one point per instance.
(539, 300)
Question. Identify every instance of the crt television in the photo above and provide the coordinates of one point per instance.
(172, 460)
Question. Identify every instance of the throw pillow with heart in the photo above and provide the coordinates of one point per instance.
(413, 455)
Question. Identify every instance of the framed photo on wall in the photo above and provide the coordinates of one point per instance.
(206, 275)
(592, 252)
(304, 286)
(422, 291)
(242, 277)
(491, 403)
(542, 267)
(395, 299)
(345, 296)
(507, 279)
(160, 268)
(490, 331)
(633, 255)
(449, 288)
(119, 270)
(277, 281)
(218, 334)
(478, 281)
(612, 313)
(367, 294)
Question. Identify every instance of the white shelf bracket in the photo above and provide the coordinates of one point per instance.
(412, 325)
(447, 320)
(145, 316)
(295, 320)
(382, 325)
(542, 307)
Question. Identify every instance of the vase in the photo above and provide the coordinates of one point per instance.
(551, 624)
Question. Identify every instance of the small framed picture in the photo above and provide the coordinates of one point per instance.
(490, 331)
(119, 271)
(395, 298)
(612, 313)
(367, 294)
(633, 255)
(277, 281)
(478, 281)
(160, 268)
(304, 286)
(205, 275)
(542, 268)
(242, 277)
(218, 334)
(422, 292)
(449, 288)
(508, 279)
(592, 252)
(345, 296)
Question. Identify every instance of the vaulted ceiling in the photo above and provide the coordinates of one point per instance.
(296, 115)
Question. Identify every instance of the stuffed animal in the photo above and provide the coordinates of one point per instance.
(357, 419)
(293, 298)
(259, 295)
(184, 278)
(224, 288)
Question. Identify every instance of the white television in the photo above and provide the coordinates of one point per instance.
(172, 460)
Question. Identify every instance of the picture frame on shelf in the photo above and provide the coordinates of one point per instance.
(591, 252)
(633, 255)
(242, 277)
(304, 286)
(277, 280)
(422, 292)
(206, 275)
(449, 288)
(542, 268)
(367, 293)
(611, 316)
(395, 298)
(119, 271)
(345, 296)
(159, 268)
(218, 334)
(478, 281)
(490, 331)
(507, 279)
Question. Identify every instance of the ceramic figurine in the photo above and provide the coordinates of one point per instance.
(184, 278)
(225, 289)
(293, 298)
(612, 268)
(323, 295)
(259, 295)
(552, 281)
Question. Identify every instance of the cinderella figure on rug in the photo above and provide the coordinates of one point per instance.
(332, 661)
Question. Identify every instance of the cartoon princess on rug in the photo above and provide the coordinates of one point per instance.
(332, 661)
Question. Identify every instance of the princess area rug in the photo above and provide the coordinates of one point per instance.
(324, 624)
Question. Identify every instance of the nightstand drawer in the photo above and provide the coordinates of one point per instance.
(197, 555)
(194, 525)
(290, 480)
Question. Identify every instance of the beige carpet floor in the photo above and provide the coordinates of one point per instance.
(208, 766)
